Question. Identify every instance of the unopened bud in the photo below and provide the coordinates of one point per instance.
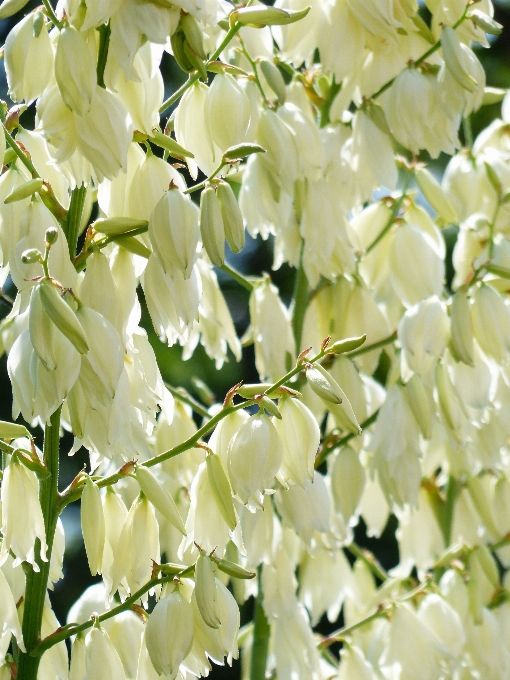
(233, 569)
(269, 405)
(12, 430)
(324, 385)
(435, 195)
(221, 489)
(25, 190)
(193, 35)
(347, 345)
(241, 151)
(205, 591)
(261, 16)
(462, 328)
(63, 317)
(159, 497)
(232, 217)
(166, 142)
(93, 525)
(112, 226)
(31, 256)
(51, 235)
(274, 78)
(453, 56)
(10, 7)
(211, 226)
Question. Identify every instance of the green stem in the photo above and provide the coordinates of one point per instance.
(37, 582)
(238, 277)
(491, 228)
(261, 632)
(19, 153)
(326, 107)
(193, 78)
(203, 184)
(423, 57)
(186, 398)
(394, 212)
(299, 303)
(81, 260)
(72, 224)
(369, 559)
(468, 132)
(254, 67)
(339, 635)
(73, 629)
(321, 457)
(53, 18)
(104, 44)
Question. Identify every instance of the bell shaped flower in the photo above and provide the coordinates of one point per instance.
(28, 59)
(75, 70)
(192, 130)
(9, 616)
(150, 181)
(491, 323)
(224, 97)
(92, 525)
(255, 456)
(169, 633)
(300, 436)
(101, 658)
(174, 232)
(22, 518)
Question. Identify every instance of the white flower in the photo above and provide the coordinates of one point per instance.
(92, 525)
(22, 518)
(101, 659)
(227, 112)
(9, 616)
(169, 633)
(75, 70)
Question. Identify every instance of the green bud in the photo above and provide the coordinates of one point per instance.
(31, 256)
(193, 35)
(12, 430)
(63, 317)
(221, 489)
(211, 226)
(133, 245)
(261, 16)
(205, 591)
(38, 23)
(233, 569)
(232, 218)
(166, 142)
(172, 568)
(177, 41)
(347, 345)
(25, 190)
(274, 78)
(493, 178)
(323, 384)
(51, 235)
(241, 151)
(112, 226)
(269, 405)
(197, 63)
(10, 155)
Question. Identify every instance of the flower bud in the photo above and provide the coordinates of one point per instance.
(461, 328)
(211, 226)
(159, 497)
(118, 225)
(260, 16)
(31, 256)
(232, 217)
(169, 633)
(10, 7)
(63, 316)
(324, 385)
(254, 457)
(193, 34)
(491, 323)
(51, 236)
(28, 60)
(347, 482)
(174, 232)
(25, 190)
(435, 195)
(347, 345)
(420, 404)
(75, 70)
(239, 151)
(233, 569)
(227, 110)
(12, 430)
(205, 591)
(221, 489)
(485, 22)
(274, 79)
(92, 525)
(300, 435)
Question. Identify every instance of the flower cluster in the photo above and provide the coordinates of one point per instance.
(384, 388)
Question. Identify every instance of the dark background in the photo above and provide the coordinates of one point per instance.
(256, 257)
